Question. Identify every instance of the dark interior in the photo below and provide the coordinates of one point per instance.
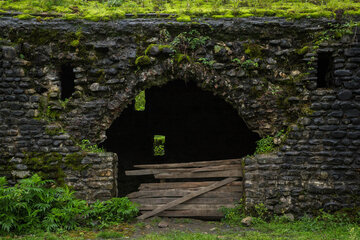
(197, 126)
(67, 77)
(325, 78)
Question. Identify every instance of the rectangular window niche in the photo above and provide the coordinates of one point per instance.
(159, 145)
(140, 101)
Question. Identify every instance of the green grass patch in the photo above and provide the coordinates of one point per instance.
(184, 10)
(110, 235)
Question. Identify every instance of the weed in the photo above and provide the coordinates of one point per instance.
(206, 62)
(266, 144)
(249, 64)
(86, 146)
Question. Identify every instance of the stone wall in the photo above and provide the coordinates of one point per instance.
(266, 68)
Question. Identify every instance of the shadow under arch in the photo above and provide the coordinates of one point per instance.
(197, 126)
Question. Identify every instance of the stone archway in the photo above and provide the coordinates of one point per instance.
(197, 126)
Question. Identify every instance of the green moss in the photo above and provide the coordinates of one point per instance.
(179, 58)
(253, 50)
(45, 111)
(73, 161)
(149, 48)
(105, 11)
(75, 43)
(24, 16)
(47, 165)
(142, 61)
(183, 18)
(303, 50)
(217, 48)
(54, 131)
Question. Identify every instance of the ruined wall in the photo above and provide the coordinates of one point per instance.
(265, 68)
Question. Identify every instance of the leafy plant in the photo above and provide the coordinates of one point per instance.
(35, 204)
(189, 40)
(113, 210)
(115, 3)
(266, 144)
(85, 145)
(32, 204)
(249, 64)
(234, 215)
(206, 61)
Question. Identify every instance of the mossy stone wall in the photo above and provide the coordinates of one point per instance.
(266, 68)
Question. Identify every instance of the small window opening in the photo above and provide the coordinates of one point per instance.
(67, 78)
(325, 77)
(159, 145)
(140, 101)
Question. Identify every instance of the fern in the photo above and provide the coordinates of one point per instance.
(33, 205)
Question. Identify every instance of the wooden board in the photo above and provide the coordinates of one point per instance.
(180, 170)
(187, 197)
(190, 213)
(184, 206)
(181, 185)
(190, 164)
(198, 200)
(215, 174)
(181, 193)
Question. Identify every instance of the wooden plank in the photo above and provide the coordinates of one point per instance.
(190, 164)
(176, 193)
(187, 197)
(140, 172)
(198, 200)
(183, 206)
(216, 174)
(179, 185)
(190, 213)
(182, 192)
(217, 168)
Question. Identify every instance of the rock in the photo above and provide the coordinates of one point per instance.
(9, 53)
(163, 224)
(289, 217)
(247, 221)
(94, 87)
(154, 51)
(344, 95)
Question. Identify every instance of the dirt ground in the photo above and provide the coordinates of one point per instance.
(163, 225)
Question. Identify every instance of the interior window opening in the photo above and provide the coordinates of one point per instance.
(67, 79)
(325, 76)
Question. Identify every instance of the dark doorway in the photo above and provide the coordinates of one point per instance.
(67, 78)
(196, 124)
(325, 76)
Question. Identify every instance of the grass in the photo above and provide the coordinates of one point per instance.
(277, 229)
(185, 10)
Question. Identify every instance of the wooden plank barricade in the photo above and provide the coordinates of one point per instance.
(189, 196)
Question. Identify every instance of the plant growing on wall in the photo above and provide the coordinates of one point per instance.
(86, 146)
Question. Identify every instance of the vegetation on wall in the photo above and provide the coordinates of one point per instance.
(270, 143)
(159, 145)
(33, 205)
(140, 101)
(185, 10)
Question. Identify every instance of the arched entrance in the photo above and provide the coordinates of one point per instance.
(197, 126)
